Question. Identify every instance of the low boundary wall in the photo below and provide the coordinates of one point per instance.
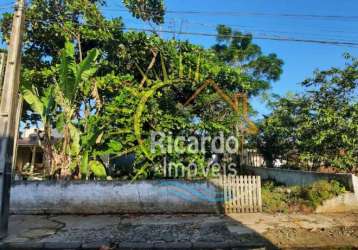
(159, 196)
(81, 197)
(344, 203)
(303, 178)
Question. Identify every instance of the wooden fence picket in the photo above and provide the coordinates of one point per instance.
(258, 190)
(237, 191)
(231, 198)
(242, 194)
(241, 184)
(248, 185)
(251, 187)
(246, 198)
(225, 193)
(254, 192)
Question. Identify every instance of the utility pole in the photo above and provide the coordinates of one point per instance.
(2, 70)
(8, 112)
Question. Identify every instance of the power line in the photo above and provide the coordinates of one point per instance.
(253, 13)
(343, 36)
(258, 37)
(237, 13)
(231, 13)
(252, 29)
(246, 28)
(274, 38)
(277, 37)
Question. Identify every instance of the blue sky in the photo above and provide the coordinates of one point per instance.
(301, 59)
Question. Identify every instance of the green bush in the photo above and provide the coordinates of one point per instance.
(273, 200)
(321, 191)
(279, 198)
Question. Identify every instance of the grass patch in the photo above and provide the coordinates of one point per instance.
(279, 198)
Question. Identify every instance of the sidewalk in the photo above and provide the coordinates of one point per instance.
(236, 231)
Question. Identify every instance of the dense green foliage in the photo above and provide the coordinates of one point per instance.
(147, 10)
(108, 89)
(134, 83)
(318, 127)
(277, 198)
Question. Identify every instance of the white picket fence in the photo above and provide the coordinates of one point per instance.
(242, 194)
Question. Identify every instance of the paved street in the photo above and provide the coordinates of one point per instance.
(236, 231)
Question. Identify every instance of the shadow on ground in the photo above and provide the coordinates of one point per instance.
(200, 231)
(131, 232)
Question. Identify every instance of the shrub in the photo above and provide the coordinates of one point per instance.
(272, 199)
(279, 198)
(321, 191)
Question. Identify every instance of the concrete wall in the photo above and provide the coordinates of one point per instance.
(114, 197)
(162, 196)
(303, 178)
(355, 185)
(344, 203)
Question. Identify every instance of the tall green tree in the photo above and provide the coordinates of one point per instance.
(129, 66)
(238, 50)
(320, 126)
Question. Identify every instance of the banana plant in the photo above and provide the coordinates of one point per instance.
(60, 104)
(73, 83)
(44, 106)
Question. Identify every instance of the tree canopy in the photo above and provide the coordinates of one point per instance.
(319, 127)
(133, 75)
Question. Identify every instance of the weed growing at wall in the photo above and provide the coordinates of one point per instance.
(278, 198)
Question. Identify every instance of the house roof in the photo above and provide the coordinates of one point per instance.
(32, 141)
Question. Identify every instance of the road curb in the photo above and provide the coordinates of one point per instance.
(126, 245)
